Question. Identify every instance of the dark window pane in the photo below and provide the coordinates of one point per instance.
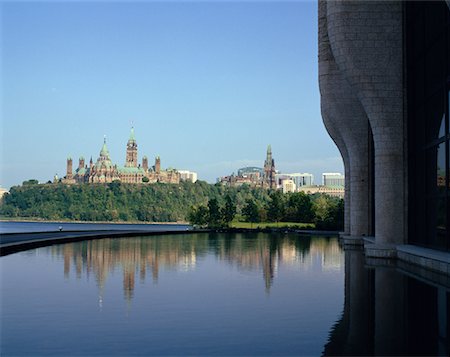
(435, 67)
(435, 178)
(448, 103)
(442, 128)
(440, 168)
(437, 222)
(435, 111)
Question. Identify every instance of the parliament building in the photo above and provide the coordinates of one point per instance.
(104, 171)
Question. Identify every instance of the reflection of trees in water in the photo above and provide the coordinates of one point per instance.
(144, 255)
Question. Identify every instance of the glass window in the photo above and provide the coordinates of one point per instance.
(437, 222)
(428, 80)
(442, 128)
(435, 117)
(436, 175)
(441, 167)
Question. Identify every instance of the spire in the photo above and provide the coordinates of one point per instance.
(104, 151)
(132, 137)
(269, 149)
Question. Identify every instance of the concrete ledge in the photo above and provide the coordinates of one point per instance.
(382, 251)
(427, 258)
(352, 240)
(25, 241)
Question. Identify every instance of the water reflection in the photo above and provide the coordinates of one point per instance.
(390, 311)
(143, 256)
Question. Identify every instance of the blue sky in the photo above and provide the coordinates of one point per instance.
(207, 85)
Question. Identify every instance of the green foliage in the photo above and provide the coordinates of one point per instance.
(276, 208)
(329, 213)
(145, 179)
(228, 211)
(30, 182)
(199, 203)
(198, 216)
(214, 216)
(251, 212)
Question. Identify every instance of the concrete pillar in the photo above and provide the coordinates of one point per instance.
(346, 121)
(357, 304)
(390, 331)
(366, 42)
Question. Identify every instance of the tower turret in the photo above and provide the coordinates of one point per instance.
(131, 157)
(269, 170)
(145, 163)
(157, 165)
(69, 174)
(81, 162)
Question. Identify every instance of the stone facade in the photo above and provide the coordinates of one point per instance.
(104, 171)
(362, 81)
(269, 180)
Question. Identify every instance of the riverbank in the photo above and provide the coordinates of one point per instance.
(33, 219)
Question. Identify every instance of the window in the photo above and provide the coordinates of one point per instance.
(427, 39)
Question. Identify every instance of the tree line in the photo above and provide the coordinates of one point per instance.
(199, 203)
(326, 212)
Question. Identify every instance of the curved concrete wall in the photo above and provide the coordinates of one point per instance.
(331, 125)
(366, 42)
(346, 120)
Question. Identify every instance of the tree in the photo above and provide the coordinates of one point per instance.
(198, 215)
(250, 212)
(275, 211)
(299, 208)
(30, 182)
(145, 179)
(329, 213)
(214, 219)
(228, 211)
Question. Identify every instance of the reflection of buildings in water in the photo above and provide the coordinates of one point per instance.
(139, 256)
(324, 254)
(268, 254)
(102, 257)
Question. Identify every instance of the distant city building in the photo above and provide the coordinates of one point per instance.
(269, 180)
(288, 186)
(254, 176)
(187, 175)
(333, 179)
(300, 179)
(254, 173)
(104, 171)
(336, 191)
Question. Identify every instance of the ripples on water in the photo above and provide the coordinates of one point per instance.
(208, 294)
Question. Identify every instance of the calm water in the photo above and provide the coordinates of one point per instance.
(17, 227)
(175, 295)
(215, 294)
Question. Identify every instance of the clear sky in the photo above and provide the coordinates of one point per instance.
(208, 85)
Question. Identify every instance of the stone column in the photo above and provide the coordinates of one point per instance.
(346, 121)
(366, 41)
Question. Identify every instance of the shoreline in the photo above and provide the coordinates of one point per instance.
(37, 220)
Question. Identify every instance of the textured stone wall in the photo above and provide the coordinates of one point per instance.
(366, 43)
(347, 123)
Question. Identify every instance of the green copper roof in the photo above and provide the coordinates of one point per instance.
(269, 149)
(131, 170)
(104, 151)
(81, 171)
